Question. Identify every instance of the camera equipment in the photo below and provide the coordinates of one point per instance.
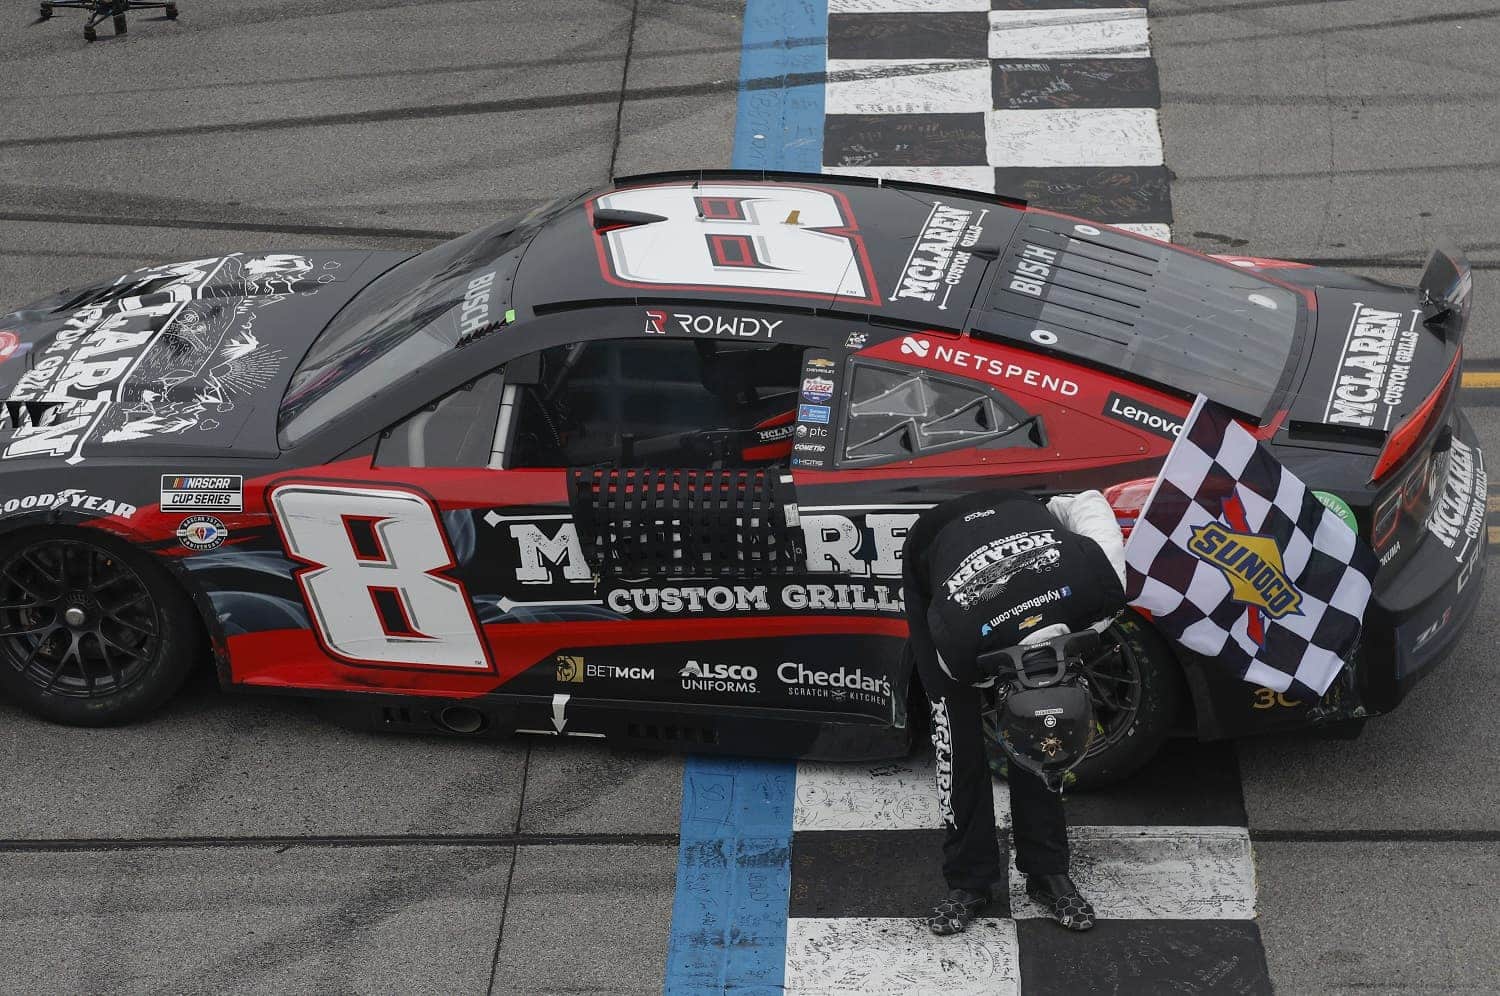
(100, 9)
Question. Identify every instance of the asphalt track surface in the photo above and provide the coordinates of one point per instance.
(242, 843)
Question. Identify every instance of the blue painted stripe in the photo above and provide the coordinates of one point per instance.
(734, 863)
(734, 876)
(779, 121)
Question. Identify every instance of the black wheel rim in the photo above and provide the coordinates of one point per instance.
(75, 620)
(1114, 681)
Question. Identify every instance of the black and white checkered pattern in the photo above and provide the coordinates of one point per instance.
(1054, 101)
(1217, 471)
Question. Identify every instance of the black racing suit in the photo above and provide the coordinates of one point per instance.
(984, 571)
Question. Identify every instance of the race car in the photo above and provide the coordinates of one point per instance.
(638, 465)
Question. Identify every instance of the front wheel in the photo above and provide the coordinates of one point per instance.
(1137, 688)
(91, 633)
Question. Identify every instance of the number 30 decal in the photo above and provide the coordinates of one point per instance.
(373, 578)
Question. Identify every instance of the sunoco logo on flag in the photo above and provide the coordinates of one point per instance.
(1237, 560)
(1253, 566)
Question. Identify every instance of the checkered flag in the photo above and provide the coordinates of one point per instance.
(1237, 560)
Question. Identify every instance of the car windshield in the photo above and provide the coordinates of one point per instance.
(411, 314)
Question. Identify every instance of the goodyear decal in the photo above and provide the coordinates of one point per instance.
(1252, 564)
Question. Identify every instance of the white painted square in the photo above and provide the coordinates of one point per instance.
(1110, 33)
(907, 86)
(1074, 136)
(965, 177)
(905, 6)
(901, 957)
(1156, 873)
(885, 795)
(1161, 233)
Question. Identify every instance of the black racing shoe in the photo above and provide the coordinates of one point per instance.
(957, 910)
(1059, 896)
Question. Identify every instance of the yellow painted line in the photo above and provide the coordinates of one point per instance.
(1495, 534)
(1482, 378)
(1493, 504)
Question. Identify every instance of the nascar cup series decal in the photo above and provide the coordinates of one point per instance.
(202, 493)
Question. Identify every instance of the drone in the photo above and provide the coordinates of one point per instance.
(100, 9)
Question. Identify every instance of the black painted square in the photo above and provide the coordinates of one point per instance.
(875, 873)
(1063, 4)
(1145, 957)
(1026, 86)
(1112, 194)
(1189, 783)
(961, 35)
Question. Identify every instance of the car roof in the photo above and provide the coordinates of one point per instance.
(914, 255)
(650, 238)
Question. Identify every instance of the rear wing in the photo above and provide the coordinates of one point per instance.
(1446, 290)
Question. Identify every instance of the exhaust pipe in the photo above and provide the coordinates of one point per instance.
(462, 719)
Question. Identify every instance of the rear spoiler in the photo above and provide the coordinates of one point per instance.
(1446, 291)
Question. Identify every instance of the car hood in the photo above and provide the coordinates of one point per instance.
(184, 358)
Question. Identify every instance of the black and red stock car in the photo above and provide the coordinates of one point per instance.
(639, 464)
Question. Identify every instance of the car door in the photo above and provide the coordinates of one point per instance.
(455, 560)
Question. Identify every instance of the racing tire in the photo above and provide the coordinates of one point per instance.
(171, 11)
(91, 632)
(120, 24)
(46, 12)
(1138, 695)
(89, 34)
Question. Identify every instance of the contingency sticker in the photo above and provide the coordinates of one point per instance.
(812, 445)
(202, 493)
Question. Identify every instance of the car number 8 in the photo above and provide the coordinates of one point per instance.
(782, 239)
(372, 576)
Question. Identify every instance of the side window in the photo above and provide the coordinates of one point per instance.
(657, 402)
(897, 413)
(457, 431)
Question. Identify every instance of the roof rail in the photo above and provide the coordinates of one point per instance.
(704, 175)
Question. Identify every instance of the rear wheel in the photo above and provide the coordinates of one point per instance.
(91, 633)
(1138, 690)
